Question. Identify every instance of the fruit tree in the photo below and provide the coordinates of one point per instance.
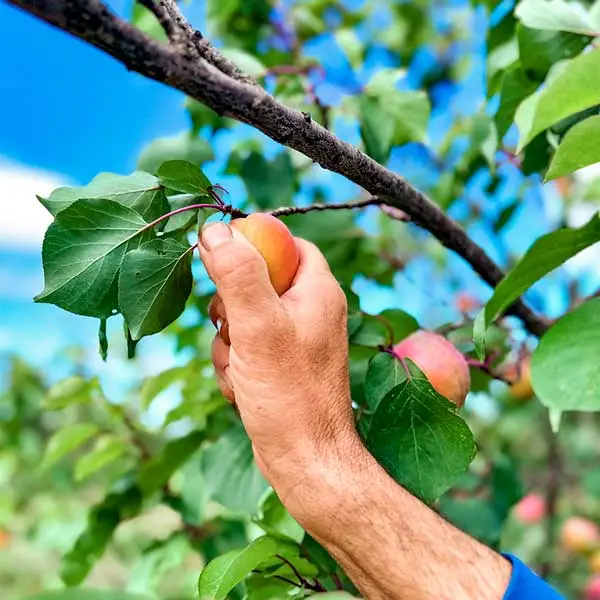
(432, 151)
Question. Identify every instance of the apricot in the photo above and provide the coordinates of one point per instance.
(580, 535)
(595, 562)
(4, 538)
(521, 388)
(444, 366)
(531, 509)
(466, 303)
(275, 244)
(592, 589)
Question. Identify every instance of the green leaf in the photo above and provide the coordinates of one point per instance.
(87, 594)
(154, 285)
(72, 390)
(145, 21)
(546, 254)
(376, 130)
(371, 332)
(102, 521)
(419, 438)
(401, 323)
(574, 89)
(383, 82)
(222, 574)
(554, 15)
(275, 520)
(153, 386)
(157, 472)
(269, 183)
(336, 596)
(385, 373)
(579, 148)
(392, 119)
(67, 440)
(139, 191)
(108, 449)
(540, 49)
(352, 46)
(232, 477)
(506, 214)
(202, 116)
(183, 176)
(245, 61)
(267, 588)
(564, 367)
(484, 139)
(515, 87)
(179, 147)
(82, 253)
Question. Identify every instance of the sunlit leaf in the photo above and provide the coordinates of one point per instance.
(82, 254)
(564, 367)
(546, 254)
(579, 148)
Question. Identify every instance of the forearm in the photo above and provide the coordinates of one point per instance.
(389, 543)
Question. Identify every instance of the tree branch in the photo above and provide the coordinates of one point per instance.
(285, 211)
(234, 95)
(160, 11)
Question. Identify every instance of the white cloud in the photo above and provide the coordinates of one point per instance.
(24, 220)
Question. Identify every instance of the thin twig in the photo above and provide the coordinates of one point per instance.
(486, 368)
(285, 211)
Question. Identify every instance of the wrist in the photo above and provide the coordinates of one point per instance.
(328, 483)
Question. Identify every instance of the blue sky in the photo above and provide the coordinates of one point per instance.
(70, 111)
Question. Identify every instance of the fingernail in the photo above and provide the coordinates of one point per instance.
(215, 234)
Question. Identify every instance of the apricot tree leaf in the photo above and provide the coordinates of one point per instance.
(140, 191)
(546, 254)
(66, 440)
(554, 15)
(575, 88)
(82, 254)
(579, 148)
(154, 285)
(418, 437)
(107, 449)
(564, 367)
(183, 176)
(183, 146)
(222, 574)
(231, 475)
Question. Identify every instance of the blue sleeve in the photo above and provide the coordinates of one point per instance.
(526, 585)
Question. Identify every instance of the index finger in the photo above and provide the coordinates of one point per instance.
(312, 262)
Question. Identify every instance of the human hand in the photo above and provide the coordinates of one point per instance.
(282, 360)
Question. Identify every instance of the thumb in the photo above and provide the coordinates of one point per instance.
(239, 272)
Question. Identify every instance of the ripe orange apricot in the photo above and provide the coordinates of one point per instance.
(595, 562)
(580, 535)
(444, 366)
(4, 538)
(522, 389)
(276, 245)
